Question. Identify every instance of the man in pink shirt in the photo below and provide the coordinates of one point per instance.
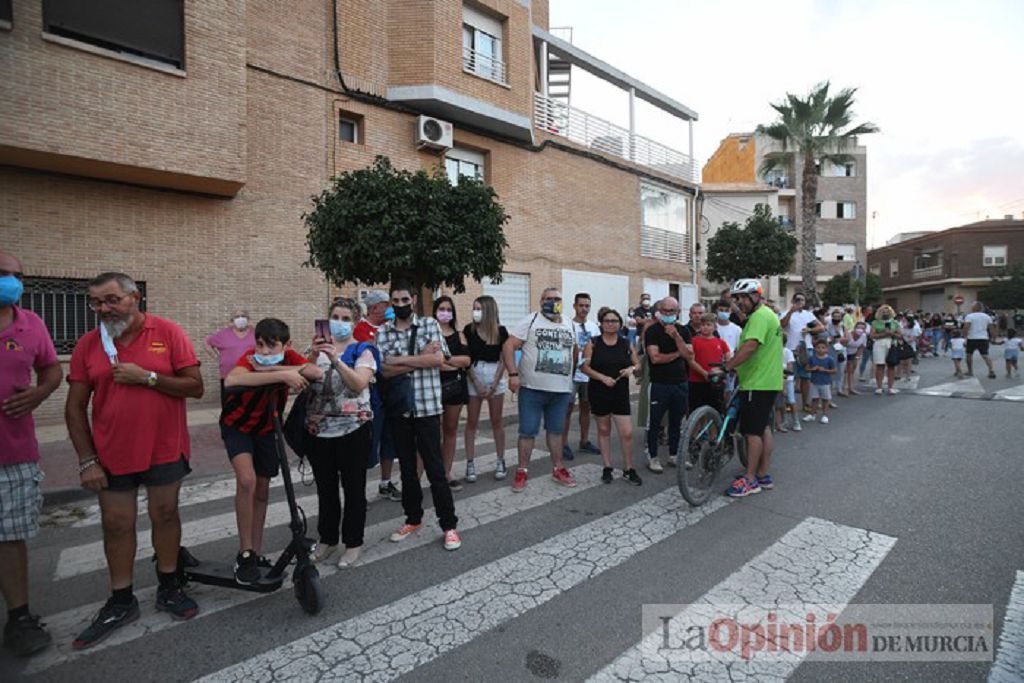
(25, 345)
(137, 369)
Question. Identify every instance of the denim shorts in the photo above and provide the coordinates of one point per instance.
(533, 404)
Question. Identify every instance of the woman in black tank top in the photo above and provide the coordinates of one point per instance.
(453, 383)
(609, 360)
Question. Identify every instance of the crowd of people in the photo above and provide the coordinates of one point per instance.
(377, 382)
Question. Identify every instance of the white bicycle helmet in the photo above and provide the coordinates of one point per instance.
(747, 286)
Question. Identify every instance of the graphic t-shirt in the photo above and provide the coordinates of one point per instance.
(761, 371)
(334, 409)
(816, 366)
(584, 332)
(706, 350)
(978, 324)
(547, 359)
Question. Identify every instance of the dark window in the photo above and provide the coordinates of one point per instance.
(154, 29)
(348, 130)
(6, 11)
(817, 209)
(63, 304)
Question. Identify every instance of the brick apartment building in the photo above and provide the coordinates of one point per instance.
(181, 141)
(842, 201)
(929, 271)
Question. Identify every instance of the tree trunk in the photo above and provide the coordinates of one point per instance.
(809, 230)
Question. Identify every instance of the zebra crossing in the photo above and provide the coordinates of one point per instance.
(812, 560)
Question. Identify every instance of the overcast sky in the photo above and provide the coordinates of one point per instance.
(942, 79)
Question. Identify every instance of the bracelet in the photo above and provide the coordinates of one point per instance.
(513, 374)
(83, 466)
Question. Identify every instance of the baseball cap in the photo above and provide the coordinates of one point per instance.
(375, 296)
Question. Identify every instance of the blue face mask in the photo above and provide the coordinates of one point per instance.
(267, 361)
(669, 319)
(723, 315)
(11, 290)
(341, 329)
(389, 314)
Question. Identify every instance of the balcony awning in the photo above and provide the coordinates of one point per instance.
(609, 73)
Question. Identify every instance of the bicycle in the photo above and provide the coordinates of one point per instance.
(711, 441)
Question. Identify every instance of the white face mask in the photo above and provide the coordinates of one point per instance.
(241, 322)
(478, 315)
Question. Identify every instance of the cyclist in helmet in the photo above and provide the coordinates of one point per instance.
(757, 363)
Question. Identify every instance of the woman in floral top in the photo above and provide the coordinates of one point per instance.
(339, 418)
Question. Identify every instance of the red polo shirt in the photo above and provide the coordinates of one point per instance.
(24, 345)
(365, 331)
(133, 426)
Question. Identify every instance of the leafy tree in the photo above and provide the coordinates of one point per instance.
(759, 249)
(811, 130)
(1006, 293)
(379, 224)
(844, 289)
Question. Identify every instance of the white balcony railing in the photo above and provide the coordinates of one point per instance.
(592, 131)
(927, 273)
(483, 65)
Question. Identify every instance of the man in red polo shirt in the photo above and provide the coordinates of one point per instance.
(25, 345)
(138, 370)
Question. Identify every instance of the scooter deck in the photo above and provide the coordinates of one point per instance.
(219, 574)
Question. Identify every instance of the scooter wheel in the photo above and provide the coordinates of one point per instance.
(307, 588)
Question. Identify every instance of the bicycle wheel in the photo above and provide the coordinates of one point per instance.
(696, 475)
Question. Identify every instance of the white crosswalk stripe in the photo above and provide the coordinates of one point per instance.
(1009, 664)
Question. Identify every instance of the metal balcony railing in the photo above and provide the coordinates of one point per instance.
(664, 244)
(484, 65)
(927, 273)
(592, 131)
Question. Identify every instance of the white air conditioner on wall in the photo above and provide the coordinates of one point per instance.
(433, 133)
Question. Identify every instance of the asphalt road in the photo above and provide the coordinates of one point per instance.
(908, 499)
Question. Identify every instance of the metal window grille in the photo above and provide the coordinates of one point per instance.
(63, 304)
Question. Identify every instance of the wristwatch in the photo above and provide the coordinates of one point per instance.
(151, 381)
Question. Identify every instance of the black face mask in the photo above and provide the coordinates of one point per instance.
(403, 312)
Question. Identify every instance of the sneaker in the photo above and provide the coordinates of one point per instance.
(172, 599)
(670, 461)
(323, 551)
(26, 636)
(606, 475)
(991, 375)
(654, 465)
(263, 562)
(452, 540)
(500, 470)
(389, 491)
(471, 471)
(824, 419)
(564, 477)
(632, 477)
(766, 482)
(796, 426)
(809, 418)
(833, 404)
(455, 484)
(742, 488)
(781, 429)
(247, 568)
(588, 447)
(519, 483)
(567, 453)
(893, 391)
(112, 616)
(878, 392)
(404, 531)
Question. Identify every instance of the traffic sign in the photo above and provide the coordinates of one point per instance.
(958, 300)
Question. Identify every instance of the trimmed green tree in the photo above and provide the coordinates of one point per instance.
(1005, 293)
(380, 224)
(759, 249)
(843, 289)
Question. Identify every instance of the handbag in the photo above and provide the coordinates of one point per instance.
(397, 391)
(892, 356)
(906, 350)
(454, 388)
(294, 428)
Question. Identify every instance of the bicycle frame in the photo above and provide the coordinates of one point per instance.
(731, 401)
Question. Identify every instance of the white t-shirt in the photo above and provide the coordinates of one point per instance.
(546, 364)
(853, 344)
(957, 343)
(977, 323)
(584, 332)
(798, 321)
(1012, 345)
(730, 334)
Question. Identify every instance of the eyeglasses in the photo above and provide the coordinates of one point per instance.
(109, 302)
(16, 273)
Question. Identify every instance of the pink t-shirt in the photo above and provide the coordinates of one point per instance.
(25, 345)
(231, 347)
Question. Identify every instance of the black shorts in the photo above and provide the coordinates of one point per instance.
(157, 475)
(605, 401)
(756, 411)
(977, 345)
(262, 447)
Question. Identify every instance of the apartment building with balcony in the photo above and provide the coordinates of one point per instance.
(928, 272)
(181, 142)
(841, 206)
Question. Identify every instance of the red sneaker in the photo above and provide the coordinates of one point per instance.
(562, 476)
(519, 483)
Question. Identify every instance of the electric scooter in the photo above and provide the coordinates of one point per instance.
(305, 578)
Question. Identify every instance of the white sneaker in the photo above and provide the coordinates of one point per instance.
(824, 419)
(323, 551)
(809, 417)
(796, 427)
(654, 465)
(671, 461)
(350, 557)
(470, 471)
(878, 392)
(500, 470)
(893, 391)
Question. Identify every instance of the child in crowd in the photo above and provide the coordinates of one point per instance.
(957, 344)
(247, 428)
(785, 401)
(1012, 352)
(822, 366)
(707, 349)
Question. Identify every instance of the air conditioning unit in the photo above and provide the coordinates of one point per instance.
(433, 133)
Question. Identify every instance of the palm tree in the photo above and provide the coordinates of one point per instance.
(812, 130)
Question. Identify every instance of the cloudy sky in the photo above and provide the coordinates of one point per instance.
(942, 79)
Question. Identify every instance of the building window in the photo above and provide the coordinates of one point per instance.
(461, 162)
(819, 252)
(664, 218)
(481, 45)
(927, 259)
(846, 252)
(993, 255)
(876, 269)
(817, 209)
(512, 295)
(63, 304)
(350, 128)
(846, 210)
(840, 170)
(152, 29)
(894, 268)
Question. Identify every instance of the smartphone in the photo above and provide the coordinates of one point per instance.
(322, 329)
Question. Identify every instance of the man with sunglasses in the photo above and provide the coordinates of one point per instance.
(25, 346)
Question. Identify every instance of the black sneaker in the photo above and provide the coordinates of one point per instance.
(247, 568)
(26, 636)
(389, 492)
(606, 475)
(632, 477)
(172, 599)
(111, 617)
(264, 562)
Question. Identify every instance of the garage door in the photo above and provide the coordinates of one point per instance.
(604, 289)
(512, 295)
(933, 300)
